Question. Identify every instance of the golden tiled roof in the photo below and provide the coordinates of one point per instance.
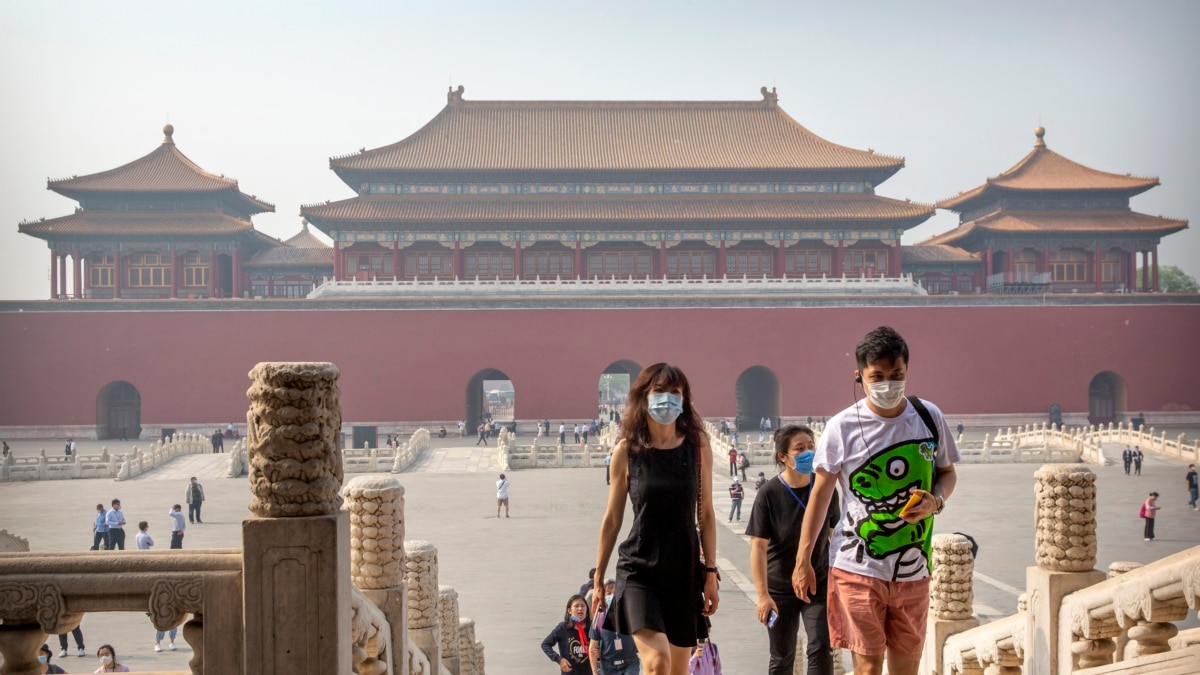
(583, 209)
(935, 253)
(287, 256)
(1045, 170)
(612, 136)
(114, 223)
(1108, 221)
(306, 239)
(164, 170)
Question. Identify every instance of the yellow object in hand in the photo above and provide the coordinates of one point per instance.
(912, 501)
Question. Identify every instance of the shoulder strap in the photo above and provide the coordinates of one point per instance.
(926, 418)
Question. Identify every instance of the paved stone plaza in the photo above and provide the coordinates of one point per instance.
(514, 575)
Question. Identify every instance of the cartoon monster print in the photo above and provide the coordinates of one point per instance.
(883, 485)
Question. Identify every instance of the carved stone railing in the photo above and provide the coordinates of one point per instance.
(385, 459)
(104, 465)
(1036, 444)
(238, 463)
(1147, 439)
(44, 594)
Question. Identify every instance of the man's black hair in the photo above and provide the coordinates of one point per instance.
(881, 344)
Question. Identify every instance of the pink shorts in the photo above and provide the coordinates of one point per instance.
(869, 615)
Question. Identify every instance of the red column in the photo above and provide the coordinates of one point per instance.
(987, 265)
(1154, 264)
(271, 286)
(578, 260)
(838, 255)
(118, 272)
(395, 260)
(517, 261)
(1097, 270)
(457, 261)
(62, 273)
(212, 273)
(77, 263)
(780, 261)
(236, 273)
(1008, 266)
(721, 258)
(1145, 271)
(53, 275)
(1130, 270)
(337, 260)
(896, 260)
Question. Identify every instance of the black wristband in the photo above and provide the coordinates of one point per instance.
(712, 570)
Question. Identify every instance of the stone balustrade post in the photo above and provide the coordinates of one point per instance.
(421, 573)
(952, 596)
(296, 545)
(376, 506)
(467, 648)
(1065, 539)
(448, 624)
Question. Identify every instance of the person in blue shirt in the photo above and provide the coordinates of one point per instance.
(177, 526)
(100, 530)
(612, 653)
(116, 526)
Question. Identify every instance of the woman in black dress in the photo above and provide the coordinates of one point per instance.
(663, 464)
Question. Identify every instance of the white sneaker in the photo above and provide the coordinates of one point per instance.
(81, 653)
(171, 646)
(62, 653)
(157, 647)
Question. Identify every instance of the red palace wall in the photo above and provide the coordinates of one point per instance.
(190, 366)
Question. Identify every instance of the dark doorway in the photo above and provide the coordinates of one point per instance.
(613, 388)
(223, 287)
(490, 396)
(1106, 398)
(757, 397)
(118, 412)
(364, 436)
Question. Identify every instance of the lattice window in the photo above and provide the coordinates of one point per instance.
(372, 263)
(428, 264)
(100, 270)
(548, 264)
(195, 270)
(618, 263)
(1069, 266)
(488, 264)
(749, 263)
(1112, 266)
(691, 263)
(149, 269)
(1025, 265)
(871, 263)
(808, 262)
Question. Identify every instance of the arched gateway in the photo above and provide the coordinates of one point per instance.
(614, 383)
(490, 395)
(1106, 397)
(758, 396)
(118, 411)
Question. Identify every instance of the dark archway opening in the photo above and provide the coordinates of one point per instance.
(758, 396)
(613, 388)
(118, 412)
(1106, 398)
(490, 396)
(223, 284)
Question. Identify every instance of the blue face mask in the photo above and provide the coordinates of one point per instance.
(576, 619)
(608, 599)
(664, 407)
(42, 658)
(803, 462)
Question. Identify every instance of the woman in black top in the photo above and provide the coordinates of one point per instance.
(774, 531)
(663, 464)
(570, 636)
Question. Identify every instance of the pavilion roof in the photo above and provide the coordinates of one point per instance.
(1043, 170)
(1070, 222)
(306, 239)
(935, 253)
(288, 256)
(165, 170)
(123, 223)
(613, 136)
(398, 210)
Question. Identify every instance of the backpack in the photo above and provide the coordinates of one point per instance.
(1142, 511)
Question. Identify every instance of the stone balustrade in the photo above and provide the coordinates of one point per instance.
(105, 465)
(1075, 621)
(1145, 438)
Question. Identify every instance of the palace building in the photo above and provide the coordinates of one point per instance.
(723, 237)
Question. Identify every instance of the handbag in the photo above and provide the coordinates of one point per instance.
(1142, 512)
(705, 660)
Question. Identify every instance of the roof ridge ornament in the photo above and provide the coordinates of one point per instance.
(769, 97)
(168, 132)
(455, 95)
(1040, 132)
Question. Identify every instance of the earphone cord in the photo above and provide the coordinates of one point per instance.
(858, 413)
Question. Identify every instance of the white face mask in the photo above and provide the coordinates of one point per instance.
(106, 659)
(887, 394)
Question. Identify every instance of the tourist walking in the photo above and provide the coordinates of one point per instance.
(567, 643)
(736, 494)
(482, 429)
(502, 495)
(77, 633)
(562, 433)
(743, 463)
(193, 496)
(100, 530)
(663, 466)
(1193, 487)
(774, 529)
(611, 653)
(1127, 459)
(143, 539)
(1150, 509)
(115, 520)
(1137, 460)
(108, 661)
(733, 458)
(878, 598)
(608, 467)
(218, 442)
(177, 526)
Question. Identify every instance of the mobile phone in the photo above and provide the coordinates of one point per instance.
(772, 617)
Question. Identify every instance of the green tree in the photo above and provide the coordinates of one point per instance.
(1171, 279)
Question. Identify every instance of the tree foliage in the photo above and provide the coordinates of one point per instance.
(1171, 279)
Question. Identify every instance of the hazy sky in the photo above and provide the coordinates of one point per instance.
(267, 91)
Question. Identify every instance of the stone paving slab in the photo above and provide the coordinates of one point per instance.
(514, 575)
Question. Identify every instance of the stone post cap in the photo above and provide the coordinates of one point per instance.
(373, 487)
(1049, 470)
(1119, 567)
(447, 590)
(280, 372)
(951, 541)
(415, 547)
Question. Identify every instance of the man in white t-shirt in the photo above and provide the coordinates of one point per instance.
(502, 495)
(892, 458)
